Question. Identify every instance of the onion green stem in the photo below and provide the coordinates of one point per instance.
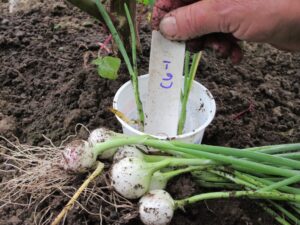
(256, 156)
(204, 152)
(248, 166)
(273, 149)
(223, 185)
(272, 213)
(291, 155)
(120, 44)
(190, 162)
(170, 174)
(234, 179)
(186, 70)
(237, 194)
(154, 158)
(153, 167)
(178, 162)
(134, 79)
(252, 184)
(285, 212)
(188, 83)
(285, 182)
(118, 141)
(286, 189)
(263, 182)
(208, 176)
(133, 39)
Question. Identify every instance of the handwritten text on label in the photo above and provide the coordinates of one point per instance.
(168, 76)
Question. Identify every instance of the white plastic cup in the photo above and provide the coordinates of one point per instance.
(201, 109)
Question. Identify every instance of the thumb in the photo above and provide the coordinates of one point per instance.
(194, 20)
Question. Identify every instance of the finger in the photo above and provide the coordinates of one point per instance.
(157, 15)
(196, 19)
(236, 55)
(168, 5)
(224, 45)
(162, 7)
(221, 43)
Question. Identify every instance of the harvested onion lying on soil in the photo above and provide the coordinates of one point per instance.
(100, 135)
(131, 176)
(157, 207)
(269, 172)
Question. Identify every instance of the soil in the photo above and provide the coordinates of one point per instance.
(47, 86)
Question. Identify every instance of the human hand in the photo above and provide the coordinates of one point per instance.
(220, 23)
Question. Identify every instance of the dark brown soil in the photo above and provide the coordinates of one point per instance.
(45, 89)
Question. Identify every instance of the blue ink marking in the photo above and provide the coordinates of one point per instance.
(166, 87)
(167, 64)
(169, 75)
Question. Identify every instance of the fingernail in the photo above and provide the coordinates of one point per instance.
(168, 26)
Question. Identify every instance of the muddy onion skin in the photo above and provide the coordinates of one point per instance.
(100, 135)
(158, 181)
(127, 151)
(78, 156)
(131, 177)
(156, 208)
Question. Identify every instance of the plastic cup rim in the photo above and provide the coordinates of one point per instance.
(181, 136)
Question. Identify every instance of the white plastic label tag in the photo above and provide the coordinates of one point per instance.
(165, 82)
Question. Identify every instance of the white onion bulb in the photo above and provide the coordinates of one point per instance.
(156, 208)
(127, 151)
(78, 156)
(131, 177)
(100, 135)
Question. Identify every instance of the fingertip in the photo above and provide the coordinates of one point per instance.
(157, 15)
(168, 5)
(225, 46)
(168, 27)
(224, 49)
(161, 8)
(236, 55)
